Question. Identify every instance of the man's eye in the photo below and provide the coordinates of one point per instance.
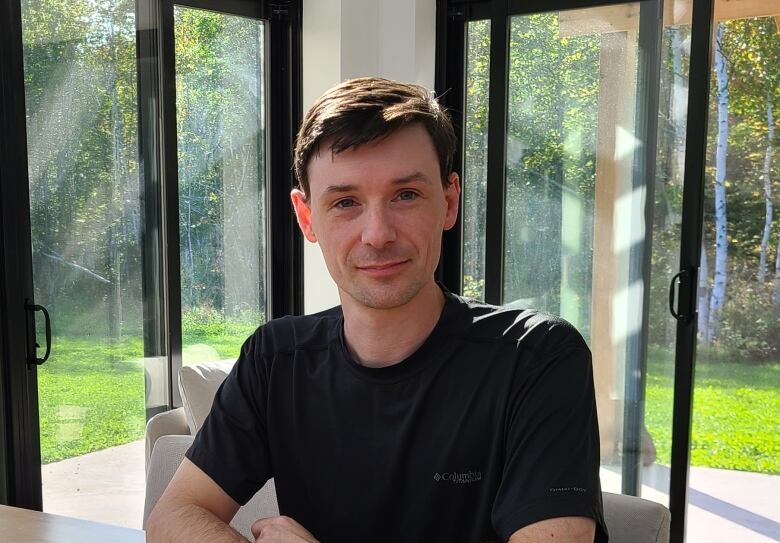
(345, 203)
(407, 195)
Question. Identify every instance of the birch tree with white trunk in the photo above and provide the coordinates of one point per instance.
(718, 292)
(768, 203)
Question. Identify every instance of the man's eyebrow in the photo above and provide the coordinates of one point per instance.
(414, 176)
(339, 188)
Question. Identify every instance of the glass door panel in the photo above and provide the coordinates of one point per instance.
(593, 229)
(221, 149)
(580, 163)
(87, 224)
(666, 232)
(734, 480)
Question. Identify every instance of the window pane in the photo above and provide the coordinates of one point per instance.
(220, 108)
(574, 207)
(474, 181)
(80, 83)
(735, 441)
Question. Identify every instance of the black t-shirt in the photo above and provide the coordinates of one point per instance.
(488, 427)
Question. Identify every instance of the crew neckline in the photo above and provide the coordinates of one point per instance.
(449, 323)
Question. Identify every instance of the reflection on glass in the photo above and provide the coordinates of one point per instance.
(474, 181)
(667, 216)
(220, 113)
(80, 91)
(574, 208)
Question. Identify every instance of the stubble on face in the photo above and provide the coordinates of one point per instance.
(384, 294)
(380, 170)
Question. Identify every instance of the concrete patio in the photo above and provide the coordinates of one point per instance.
(724, 506)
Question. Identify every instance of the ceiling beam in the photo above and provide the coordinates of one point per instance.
(625, 17)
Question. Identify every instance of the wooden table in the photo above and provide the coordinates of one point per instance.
(25, 526)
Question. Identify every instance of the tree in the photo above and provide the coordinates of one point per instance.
(754, 57)
(718, 293)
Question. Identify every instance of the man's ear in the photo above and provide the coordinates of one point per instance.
(303, 214)
(452, 197)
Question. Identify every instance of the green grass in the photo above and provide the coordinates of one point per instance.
(91, 394)
(91, 397)
(736, 415)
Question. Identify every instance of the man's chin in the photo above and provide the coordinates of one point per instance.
(389, 295)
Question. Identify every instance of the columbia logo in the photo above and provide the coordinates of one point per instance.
(459, 478)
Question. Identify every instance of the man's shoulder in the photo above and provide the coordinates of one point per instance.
(293, 332)
(529, 328)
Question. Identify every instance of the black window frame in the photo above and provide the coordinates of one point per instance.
(19, 485)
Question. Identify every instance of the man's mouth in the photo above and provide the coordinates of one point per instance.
(382, 266)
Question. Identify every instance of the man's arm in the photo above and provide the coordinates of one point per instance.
(193, 508)
(558, 530)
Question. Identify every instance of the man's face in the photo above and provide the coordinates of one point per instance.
(378, 212)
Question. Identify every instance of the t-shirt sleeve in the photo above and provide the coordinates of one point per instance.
(551, 466)
(232, 446)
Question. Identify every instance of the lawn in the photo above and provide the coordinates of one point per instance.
(92, 396)
(91, 393)
(736, 415)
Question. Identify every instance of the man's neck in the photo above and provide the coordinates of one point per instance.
(383, 337)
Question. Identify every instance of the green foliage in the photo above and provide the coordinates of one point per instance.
(207, 323)
(474, 179)
(751, 48)
(551, 167)
(473, 288)
(219, 89)
(85, 185)
(749, 321)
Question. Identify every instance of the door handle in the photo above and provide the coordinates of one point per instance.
(683, 277)
(33, 359)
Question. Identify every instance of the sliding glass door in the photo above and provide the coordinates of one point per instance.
(594, 188)
(558, 213)
(573, 158)
(87, 229)
(137, 216)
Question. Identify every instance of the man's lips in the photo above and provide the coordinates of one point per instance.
(385, 266)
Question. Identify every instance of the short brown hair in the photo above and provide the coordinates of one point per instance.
(362, 110)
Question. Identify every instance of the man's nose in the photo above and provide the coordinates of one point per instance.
(378, 229)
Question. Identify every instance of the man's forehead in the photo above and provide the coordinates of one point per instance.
(412, 162)
(333, 146)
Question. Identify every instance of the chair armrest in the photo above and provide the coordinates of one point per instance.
(634, 520)
(168, 453)
(166, 456)
(262, 505)
(173, 422)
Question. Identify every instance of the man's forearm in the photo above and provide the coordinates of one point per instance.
(188, 523)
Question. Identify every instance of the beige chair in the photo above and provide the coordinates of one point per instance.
(169, 435)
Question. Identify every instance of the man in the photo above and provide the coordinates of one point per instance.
(407, 413)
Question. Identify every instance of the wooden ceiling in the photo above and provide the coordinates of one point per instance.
(625, 17)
